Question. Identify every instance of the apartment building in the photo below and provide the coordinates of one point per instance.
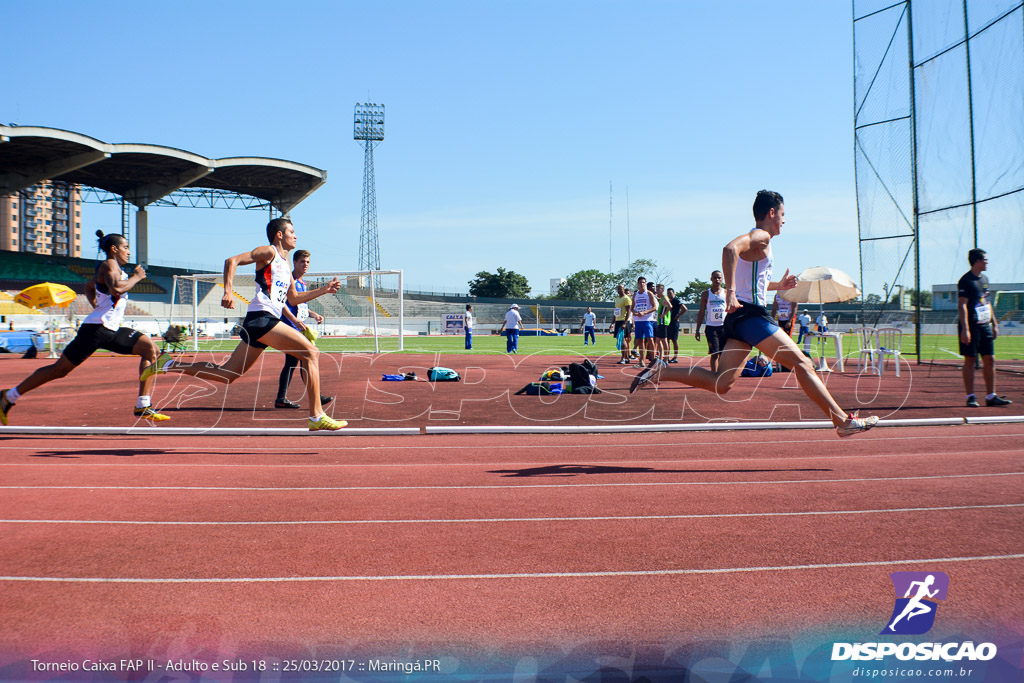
(45, 218)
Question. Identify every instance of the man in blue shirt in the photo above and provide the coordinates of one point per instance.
(296, 316)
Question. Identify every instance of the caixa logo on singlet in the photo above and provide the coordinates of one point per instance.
(916, 606)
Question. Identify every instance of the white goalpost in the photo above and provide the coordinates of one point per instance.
(366, 315)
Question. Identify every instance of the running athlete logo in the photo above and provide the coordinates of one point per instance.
(914, 612)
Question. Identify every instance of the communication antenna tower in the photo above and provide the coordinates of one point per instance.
(368, 127)
(609, 226)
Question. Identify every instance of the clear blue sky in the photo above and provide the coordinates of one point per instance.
(505, 123)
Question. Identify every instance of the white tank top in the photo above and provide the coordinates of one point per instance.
(272, 282)
(714, 316)
(752, 278)
(645, 300)
(785, 310)
(110, 308)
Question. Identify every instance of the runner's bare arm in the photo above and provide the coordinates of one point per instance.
(260, 255)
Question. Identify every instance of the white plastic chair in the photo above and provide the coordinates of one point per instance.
(890, 342)
(868, 358)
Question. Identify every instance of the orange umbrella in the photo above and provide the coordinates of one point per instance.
(45, 295)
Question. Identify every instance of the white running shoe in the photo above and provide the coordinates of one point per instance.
(856, 425)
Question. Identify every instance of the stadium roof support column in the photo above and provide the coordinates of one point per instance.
(141, 236)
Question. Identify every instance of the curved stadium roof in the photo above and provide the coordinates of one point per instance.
(142, 173)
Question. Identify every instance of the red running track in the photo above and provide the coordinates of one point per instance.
(200, 546)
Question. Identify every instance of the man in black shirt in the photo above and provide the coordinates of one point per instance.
(978, 329)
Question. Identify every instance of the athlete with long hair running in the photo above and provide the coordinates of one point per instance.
(107, 291)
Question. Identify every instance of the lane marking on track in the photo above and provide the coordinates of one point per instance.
(512, 486)
(501, 520)
(536, 575)
(533, 463)
(867, 439)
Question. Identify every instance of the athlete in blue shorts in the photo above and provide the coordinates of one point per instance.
(747, 266)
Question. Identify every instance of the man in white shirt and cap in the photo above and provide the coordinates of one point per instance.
(513, 323)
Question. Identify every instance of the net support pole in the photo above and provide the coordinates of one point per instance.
(174, 293)
(913, 171)
(195, 314)
(401, 313)
(373, 310)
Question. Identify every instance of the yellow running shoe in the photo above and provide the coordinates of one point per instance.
(157, 368)
(5, 406)
(326, 423)
(148, 413)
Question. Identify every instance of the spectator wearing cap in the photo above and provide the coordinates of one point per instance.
(513, 323)
(805, 325)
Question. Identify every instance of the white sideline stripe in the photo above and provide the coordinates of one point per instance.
(536, 575)
(501, 520)
(86, 487)
(700, 427)
(451, 446)
(211, 431)
(505, 463)
(509, 429)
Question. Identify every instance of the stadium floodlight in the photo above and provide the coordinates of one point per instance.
(368, 122)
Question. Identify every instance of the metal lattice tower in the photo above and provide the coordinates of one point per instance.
(368, 127)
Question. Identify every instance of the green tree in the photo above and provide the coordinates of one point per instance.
(873, 299)
(693, 290)
(586, 285)
(628, 275)
(926, 298)
(505, 284)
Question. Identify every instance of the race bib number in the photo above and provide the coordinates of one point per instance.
(303, 312)
(983, 313)
(618, 311)
(716, 313)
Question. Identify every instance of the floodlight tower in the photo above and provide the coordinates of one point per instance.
(368, 127)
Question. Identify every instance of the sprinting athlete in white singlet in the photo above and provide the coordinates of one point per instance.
(747, 266)
(107, 291)
(263, 326)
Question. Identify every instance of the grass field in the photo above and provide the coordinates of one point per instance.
(935, 347)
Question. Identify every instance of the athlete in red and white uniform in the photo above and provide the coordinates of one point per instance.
(263, 326)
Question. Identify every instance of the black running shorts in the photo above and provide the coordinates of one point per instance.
(257, 324)
(982, 340)
(94, 336)
(716, 338)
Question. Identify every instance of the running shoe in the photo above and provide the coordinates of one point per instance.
(285, 403)
(972, 402)
(157, 368)
(325, 423)
(998, 401)
(324, 400)
(5, 406)
(647, 375)
(148, 413)
(855, 425)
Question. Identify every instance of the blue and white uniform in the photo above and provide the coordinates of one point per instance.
(752, 324)
(301, 311)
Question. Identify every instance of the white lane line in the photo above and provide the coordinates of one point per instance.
(536, 575)
(511, 486)
(501, 520)
(560, 458)
(586, 446)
